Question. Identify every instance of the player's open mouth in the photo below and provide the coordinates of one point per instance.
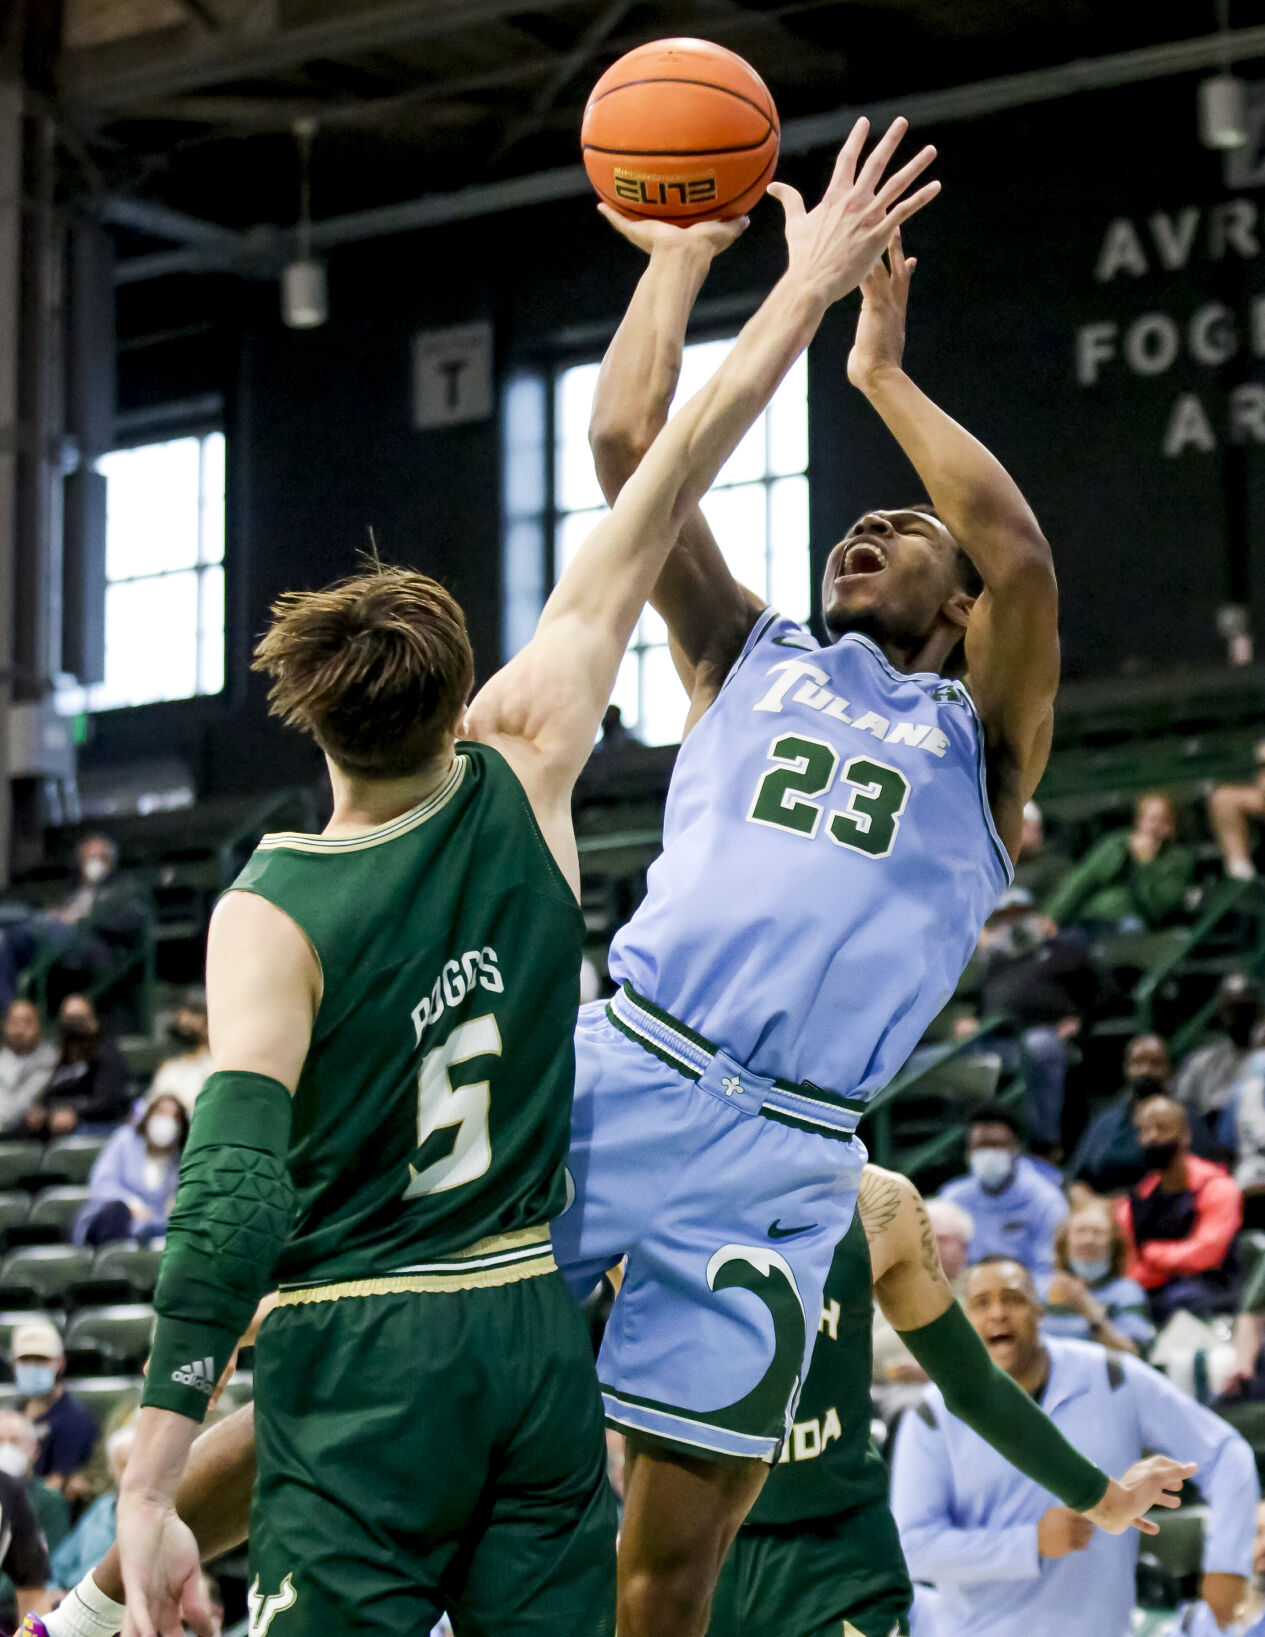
(862, 557)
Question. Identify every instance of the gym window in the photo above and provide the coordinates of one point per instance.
(164, 600)
(758, 510)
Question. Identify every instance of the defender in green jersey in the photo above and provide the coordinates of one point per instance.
(391, 1006)
(819, 1554)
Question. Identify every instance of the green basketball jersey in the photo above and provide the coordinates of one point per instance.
(829, 1463)
(434, 1106)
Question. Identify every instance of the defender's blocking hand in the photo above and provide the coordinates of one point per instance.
(1157, 1481)
(835, 247)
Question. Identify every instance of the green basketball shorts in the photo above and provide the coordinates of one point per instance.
(430, 1451)
(827, 1577)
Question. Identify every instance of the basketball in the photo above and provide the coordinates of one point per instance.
(682, 131)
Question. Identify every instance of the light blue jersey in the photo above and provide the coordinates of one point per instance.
(829, 859)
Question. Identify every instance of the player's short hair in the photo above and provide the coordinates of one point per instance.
(376, 668)
(997, 1257)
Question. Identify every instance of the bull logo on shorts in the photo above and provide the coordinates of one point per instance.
(264, 1610)
(769, 1277)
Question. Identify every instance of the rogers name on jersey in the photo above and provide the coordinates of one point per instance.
(477, 968)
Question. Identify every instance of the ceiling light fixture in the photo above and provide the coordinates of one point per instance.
(304, 292)
(1222, 99)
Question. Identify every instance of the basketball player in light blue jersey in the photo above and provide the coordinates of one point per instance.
(840, 824)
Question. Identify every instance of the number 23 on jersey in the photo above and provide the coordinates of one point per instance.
(786, 797)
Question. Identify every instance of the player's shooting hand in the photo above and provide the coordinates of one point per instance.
(161, 1573)
(880, 337)
(1157, 1481)
(835, 247)
(705, 238)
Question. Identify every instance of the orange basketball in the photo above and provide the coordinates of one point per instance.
(681, 130)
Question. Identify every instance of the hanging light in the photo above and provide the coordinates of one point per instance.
(304, 292)
(1222, 99)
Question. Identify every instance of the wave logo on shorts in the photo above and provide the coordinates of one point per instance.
(768, 1276)
(264, 1610)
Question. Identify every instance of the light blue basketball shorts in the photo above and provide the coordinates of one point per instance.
(727, 1193)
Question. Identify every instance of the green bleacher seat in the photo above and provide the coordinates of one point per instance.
(101, 1396)
(1178, 1548)
(138, 1264)
(1249, 1247)
(122, 1331)
(57, 1208)
(72, 1157)
(18, 1160)
(50, 1269)
(13, 1208)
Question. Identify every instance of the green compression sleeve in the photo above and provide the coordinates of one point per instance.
(999, 1410)
(231, 1218)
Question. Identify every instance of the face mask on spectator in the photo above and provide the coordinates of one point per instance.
(77, 1027)
(1147, 1085)
(1090, 1269)
(1158, 1155)
(181, 1036)
(14, 1461)
(34, 1380)
(992, 1167)
(162, 1130)
(95, 871)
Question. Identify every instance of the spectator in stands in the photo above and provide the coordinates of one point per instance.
(1045, 983)
(1089, 1298)
(184, 1075)
(133, 1180)
(89, 1089)
(19, 1446)
(615, 736)
(1231, 811)
(893, 1363)
(1198, 1620)
(1003, 1559)
(1180, 1221)
(1108, 1158)
(93, 1535)
(67, 1431)
(27, 1062)
(98, 917)
(23, 1551)
(1247, 1377)
(1039, 869)
(1016, 1210)
(1205, 1080)
(1132, 879)
(1241, 1127)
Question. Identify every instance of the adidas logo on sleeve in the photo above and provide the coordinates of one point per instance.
(199, 1374)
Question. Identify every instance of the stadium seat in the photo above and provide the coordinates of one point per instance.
(122, 1331)
(18, 1160)
(71, 1157)
(50, 1269)
(138, 1264)
(13, 1208)
(57, 1208)
(101, 1396)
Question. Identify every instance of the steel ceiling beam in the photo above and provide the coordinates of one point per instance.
(927, 108)
(231, 55)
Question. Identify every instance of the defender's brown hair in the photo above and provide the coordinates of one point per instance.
(376, 668)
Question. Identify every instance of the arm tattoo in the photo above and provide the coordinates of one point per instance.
(930, 1251)
(878, 1203)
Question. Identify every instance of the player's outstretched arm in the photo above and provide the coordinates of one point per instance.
(918, 1302)
(544, 707)
(1012, 642)
(709, 615)
(230, 1219)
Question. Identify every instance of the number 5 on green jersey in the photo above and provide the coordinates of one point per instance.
(447, 1157)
